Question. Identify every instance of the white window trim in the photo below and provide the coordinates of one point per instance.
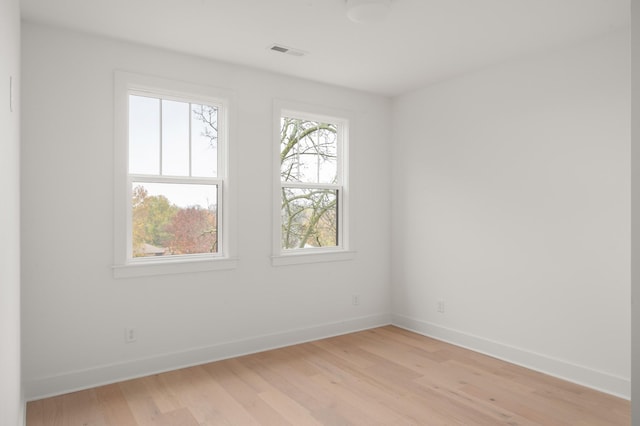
(124, 266)
(344, 251)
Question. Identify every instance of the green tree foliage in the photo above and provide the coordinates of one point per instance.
(151, 215)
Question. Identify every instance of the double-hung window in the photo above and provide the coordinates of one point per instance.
(172, 146)
(312, 196)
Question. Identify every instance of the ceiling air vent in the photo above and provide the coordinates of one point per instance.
(287, 50)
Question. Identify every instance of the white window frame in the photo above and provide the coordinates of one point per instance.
(125, 265)
(344, 249)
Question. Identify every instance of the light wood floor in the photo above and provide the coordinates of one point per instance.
(384, 376)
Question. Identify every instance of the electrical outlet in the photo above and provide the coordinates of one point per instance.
(355, 300)
(130, 335)
(440, 306)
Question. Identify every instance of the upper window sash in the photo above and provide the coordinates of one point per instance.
(220, 105)
(341, 128)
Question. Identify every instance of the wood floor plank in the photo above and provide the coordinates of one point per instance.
(334, 408)
(52, 411)
(210, 402)
(115, 406)
(290, 409)
(140, 402)
(240, 389)
(348, 352)
(164, 397)
(367, 384)
(83, 406)
(35, 413)
(179, 417)
(271, 372)
(362, 404)
(383, 376)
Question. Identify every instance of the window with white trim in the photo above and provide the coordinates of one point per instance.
(312, 193)
(173, 140)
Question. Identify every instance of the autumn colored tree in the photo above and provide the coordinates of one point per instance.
(151, 215)
(193, 230)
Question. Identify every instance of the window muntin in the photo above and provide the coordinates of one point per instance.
(311, 183)
(175, 177)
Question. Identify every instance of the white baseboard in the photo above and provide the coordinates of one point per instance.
(605, 382)
(42, 387)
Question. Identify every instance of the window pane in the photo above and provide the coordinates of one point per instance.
(175, 138)
(308, 151)
(174, 219)
(204, 141)
(309, 218)
(144, 135)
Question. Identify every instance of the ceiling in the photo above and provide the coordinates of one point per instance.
(420, 42)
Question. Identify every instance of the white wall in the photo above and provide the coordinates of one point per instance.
(635, 209)
(11, 401)
(511, 195)
(75, 312)
(511, 203)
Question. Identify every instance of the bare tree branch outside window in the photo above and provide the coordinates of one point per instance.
(308, 156)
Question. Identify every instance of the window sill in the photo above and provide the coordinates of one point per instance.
(166, 267)
(302, 258)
